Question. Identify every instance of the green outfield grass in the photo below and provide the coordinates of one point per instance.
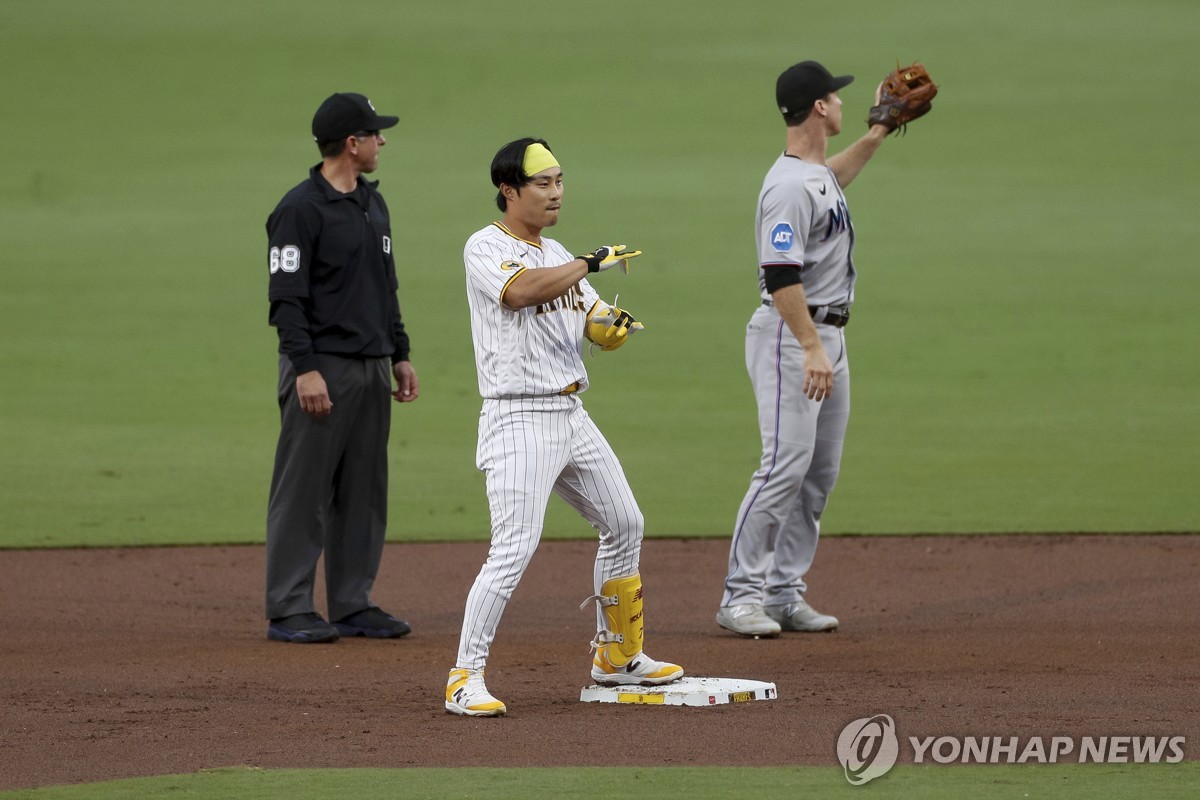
(1022, 342)
(1112, 782)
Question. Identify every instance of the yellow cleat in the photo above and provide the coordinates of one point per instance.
(641, 670)
(466, 694)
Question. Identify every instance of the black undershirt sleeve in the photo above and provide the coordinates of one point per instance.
(777, 277)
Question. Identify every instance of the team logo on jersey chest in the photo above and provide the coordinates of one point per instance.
(782, 236)
(839, 220)
(571, 301)
(509, 266)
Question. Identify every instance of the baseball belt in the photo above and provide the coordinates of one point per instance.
(837, 316)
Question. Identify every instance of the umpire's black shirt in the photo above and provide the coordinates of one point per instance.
(333, 278)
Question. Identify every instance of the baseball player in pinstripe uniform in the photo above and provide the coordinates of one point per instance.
(796, 357)
(531, 310)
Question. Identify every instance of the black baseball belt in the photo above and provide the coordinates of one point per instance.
(837, 316)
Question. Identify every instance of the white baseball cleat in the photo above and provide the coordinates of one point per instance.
(800, 616)
(748, 620)
(641, 670)
(466, 694)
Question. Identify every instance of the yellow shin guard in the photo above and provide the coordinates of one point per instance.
(624, 617)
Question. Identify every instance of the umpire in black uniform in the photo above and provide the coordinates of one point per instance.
(341, 342)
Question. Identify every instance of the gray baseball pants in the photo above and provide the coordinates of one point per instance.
(779, 521)
(329, 489)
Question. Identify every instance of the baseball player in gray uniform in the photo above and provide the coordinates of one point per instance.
(796, 357)
(531, 311)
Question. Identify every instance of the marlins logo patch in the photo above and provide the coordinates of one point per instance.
(509, 266)
(781, 236)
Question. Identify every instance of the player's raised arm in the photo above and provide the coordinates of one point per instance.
(532, 287)
(905, 94)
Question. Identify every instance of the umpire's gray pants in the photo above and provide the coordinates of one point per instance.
(329, 489)
(779, 522)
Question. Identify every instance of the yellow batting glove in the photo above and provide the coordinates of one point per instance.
(609, 256)
(609, 327)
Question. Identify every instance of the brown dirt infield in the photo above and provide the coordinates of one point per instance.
(132, 662)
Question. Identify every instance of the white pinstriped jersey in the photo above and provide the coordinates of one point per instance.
(525, 352)
(803, 220)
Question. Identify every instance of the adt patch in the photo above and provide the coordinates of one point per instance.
(781, 237)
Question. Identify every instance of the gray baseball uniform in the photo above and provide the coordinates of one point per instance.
(802, 221)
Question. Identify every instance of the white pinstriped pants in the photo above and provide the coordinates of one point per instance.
(528, 448)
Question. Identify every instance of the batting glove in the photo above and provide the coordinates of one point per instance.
(608, 257)
(609, 327)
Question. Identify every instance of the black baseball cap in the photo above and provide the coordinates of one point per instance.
(803, 84)
(345, 113)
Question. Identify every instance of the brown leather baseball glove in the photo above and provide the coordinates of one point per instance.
(905, 94)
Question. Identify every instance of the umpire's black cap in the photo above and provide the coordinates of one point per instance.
(345, 113)
(803, 84)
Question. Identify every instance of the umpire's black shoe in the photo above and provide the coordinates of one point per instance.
(374, 623)
(310, 628)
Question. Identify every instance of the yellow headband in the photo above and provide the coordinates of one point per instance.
(537, 158)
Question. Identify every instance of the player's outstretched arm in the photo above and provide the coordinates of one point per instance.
(847, 164)
(534, 286)
(905, 94)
